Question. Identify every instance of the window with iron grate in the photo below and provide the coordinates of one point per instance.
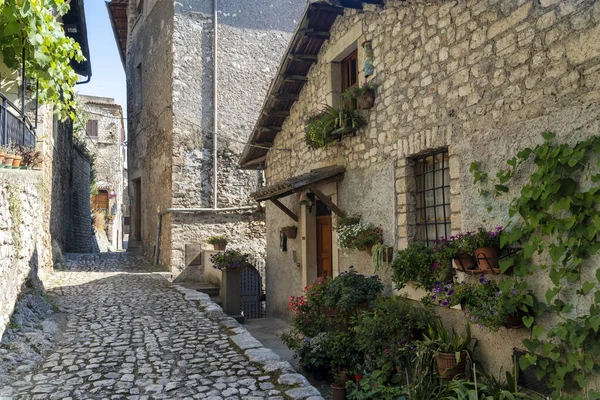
(433, 196)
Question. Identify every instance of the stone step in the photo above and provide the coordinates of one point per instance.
(212, 291)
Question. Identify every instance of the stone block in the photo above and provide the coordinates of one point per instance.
(585, 46)
(512, 20)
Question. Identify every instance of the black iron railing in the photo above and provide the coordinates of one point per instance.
(15, 128)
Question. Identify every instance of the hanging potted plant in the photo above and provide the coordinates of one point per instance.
(417, 264)
(487, 251)
(290, 232)
(354, 234)
(465, 246)
(218, 242)
(364, 95)
(451, 349)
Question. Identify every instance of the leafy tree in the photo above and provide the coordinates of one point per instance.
(33, 25)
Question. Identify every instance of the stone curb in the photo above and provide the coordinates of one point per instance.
(253, 349)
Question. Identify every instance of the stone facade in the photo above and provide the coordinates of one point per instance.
(171, 127)
(107, 145)
(481, 79)
(23, 237)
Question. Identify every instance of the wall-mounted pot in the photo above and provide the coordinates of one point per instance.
(290, 231)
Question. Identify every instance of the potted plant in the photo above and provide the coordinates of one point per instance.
(290, 232)
(384, 332)
(364, 95)
(354, 234)
(325, 125)
(518, 303)
(487, 251)
(451, 349)
(2, 154)
(313, 357)
(218, 242)
(9, 156)
(351, 291)
(18, 156)
(417, 264)
(382, 255)
(465, 246)
(231, 263)
(344, 358)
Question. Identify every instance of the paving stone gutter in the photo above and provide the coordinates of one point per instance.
(254, 350)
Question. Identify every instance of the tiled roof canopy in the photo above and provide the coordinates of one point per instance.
(310, 34)
(117, 12)
(299, 183)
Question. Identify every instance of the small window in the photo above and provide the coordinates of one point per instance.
(91, 128)
(350, 71)
(433, 196)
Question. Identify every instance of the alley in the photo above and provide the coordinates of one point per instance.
(130, 333)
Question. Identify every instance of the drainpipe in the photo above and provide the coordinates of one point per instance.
(215, 208)
(215, 103)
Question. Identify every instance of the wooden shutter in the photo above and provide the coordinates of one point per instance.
(92, 128)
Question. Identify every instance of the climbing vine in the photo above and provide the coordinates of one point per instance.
(34, 25)
(556, 221)
(14, 207)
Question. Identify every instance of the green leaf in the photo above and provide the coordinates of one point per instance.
(587, 287)
(548, 135)
(594, 322)
(501, 188)
(597, 297)
(528, 321)
(550, 294)
(527, 360)
(531, 344)
(537, 332)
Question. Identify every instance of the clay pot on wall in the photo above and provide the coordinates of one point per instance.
(338, 393)
(8, 160)
(17, 161)
(290, 232)
(366, 100)
(515, 321)
(219, 246)
(488, 258)
(465, 261)
(448, 368)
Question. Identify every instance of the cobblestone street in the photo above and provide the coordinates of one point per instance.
(130, 333)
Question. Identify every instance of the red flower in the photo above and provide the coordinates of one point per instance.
(357, 377)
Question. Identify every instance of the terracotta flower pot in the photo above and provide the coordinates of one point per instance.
(17, 161)
(515, 321)
(465, 261)
(338, 393)
(8, 160)
(448, 368)
(488, 258)
(290, 232)
(220, 246)
(366, 100)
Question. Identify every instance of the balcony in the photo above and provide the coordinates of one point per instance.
(15, 128)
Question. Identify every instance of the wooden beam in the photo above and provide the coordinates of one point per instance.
(304, 57)
(278, 114)
(327, 202)
(264, 144)
(376, 2)
(328, 8)
(257, 160)
(313, 33)
(270, 128)
(286, 210)
(285, 96)
(297, 78)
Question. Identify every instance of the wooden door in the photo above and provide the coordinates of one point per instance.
(324, 246)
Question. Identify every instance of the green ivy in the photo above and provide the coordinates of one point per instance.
(556, 218)
(34, 25)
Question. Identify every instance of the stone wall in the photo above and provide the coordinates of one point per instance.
(480, 78)
(23, 237)
(180, 142)
(149, 73)
(69, 171)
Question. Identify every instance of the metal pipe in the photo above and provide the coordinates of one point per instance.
(215, 103)
(185, 210)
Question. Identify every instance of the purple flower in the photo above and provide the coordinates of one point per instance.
(481, 279)
(445, 303)
(451, 292)
(514, 291)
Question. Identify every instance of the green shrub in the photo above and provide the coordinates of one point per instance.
(417, 263)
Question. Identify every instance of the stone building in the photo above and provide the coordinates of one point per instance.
(456, 82)
(105, 137)
(179, 110)
(45, 212)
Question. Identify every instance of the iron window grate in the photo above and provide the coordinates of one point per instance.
(433, 196)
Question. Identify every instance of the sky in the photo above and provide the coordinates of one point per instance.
(108, 76)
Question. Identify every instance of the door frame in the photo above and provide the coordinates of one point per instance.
(308, 230)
